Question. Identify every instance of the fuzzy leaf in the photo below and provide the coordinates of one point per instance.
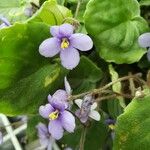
(121, 19)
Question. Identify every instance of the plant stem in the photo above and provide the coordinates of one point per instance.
(132, 86)
(77, 8)
(96, 91)
(82, 139)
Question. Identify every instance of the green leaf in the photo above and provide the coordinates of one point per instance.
(85, 76)
(19, 55)
(28, 94)
(145, 2)
(51, 13)
(132, 130)
(115, 27)
(117, 86)
(14, 9)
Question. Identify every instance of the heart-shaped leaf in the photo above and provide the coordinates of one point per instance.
(115, 27)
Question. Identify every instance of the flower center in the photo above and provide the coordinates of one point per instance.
(64, 43)
(54, 115)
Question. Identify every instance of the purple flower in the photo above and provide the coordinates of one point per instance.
(45, 139)
(87, 109)
(144, 41)
(66, 43)
(110, 123)
(5, 22)
(28, 11)
(57, 114)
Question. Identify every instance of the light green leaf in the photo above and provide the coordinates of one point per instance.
(14, 10)
(51, 13)
(115, 27)
(85, 76)
(132, 129)
(29, 93)
(117, 86)
(145, 2)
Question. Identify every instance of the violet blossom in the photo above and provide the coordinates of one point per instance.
(44, 136)
(5, 22)
(144, 41)
(59, 118)
(87, 109)
(67, 44)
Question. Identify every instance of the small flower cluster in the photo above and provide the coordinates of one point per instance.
(58, 112)
(144, 41)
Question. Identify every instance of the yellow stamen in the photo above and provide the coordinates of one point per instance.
(112, 127)
(64, 43)
(54, 115)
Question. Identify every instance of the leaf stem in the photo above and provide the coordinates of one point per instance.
(82, 139)
(77, 8)
(99, 90)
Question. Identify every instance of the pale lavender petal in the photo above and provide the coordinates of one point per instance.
(67, 86)
(61, 95)
(81, 41)
(148, 54)
(44, 111)
(49, 97)
(144, 40)
(78, 102)
(43, 134)
(54, 30)
(55, 128)
(2, 25)
(83, 116)
(94, 105)
(69, 58)
(64, 30)
(5, 21)
(50, 47)
(1, 137)
(68, 121)
(58, 104)
(95, 115)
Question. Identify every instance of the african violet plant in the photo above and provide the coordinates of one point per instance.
(79, 69)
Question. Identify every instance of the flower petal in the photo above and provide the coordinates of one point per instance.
(81, 41)
(58, 104)
(148, 54)
(69, 58)
(49, 97)
(50, 47)
(68, 121)
(144, 40)
(67, 86)
(44, 111)
(94, 105)
(94, 115)
(78, 102)
(59, 100)
(64, 30)
(55, 128)
(61, 95)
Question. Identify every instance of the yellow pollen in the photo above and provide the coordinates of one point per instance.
(54, 115)
(64, 43)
